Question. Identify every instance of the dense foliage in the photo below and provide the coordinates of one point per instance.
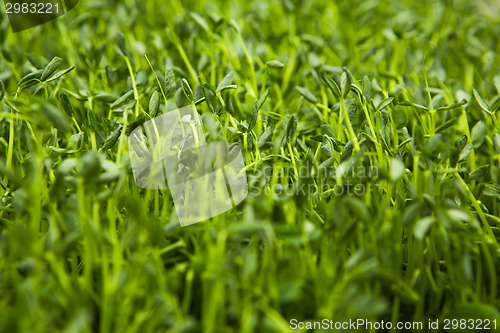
(370, 135)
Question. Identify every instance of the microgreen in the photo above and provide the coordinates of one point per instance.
(372, 158)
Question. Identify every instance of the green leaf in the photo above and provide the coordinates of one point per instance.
(347, 151)
(359, 208)
(188, 92)
(89, 165)
(496, 142)
(136, 123)
(453, 106)
(418, 106)
(110, 172)
(154, 104)
(2, 90)
(324, 167)
(327, 146)
(328, 130)
(250, 143)
(396, 169)
(495, 174)
(169, 81)
(496, 81)
(200, 20)
(226, 82)
(411, 211)
(60, 74)
(345, 84)
(491, 191)
(461, 142)
(179, 97)
(465, 152)
(104, 97)
(481, 102)
(122, 99)
(141, 79)
(112, 138)
(333, 86)
(352, 109)
(458, 215)
(480, 172)
(399, 116)
(275, 64)
(67, 166)
(255, 114)
(317, 138)
(385, 131)
(451, 122)
(422, 227)
(29, 79)
(6, 54)
(478, 134)
(231, 86)
(264, 137)
(291, 127)
(384, 103)
(50, 68)
(34, 60)
(65, 103)
(120, 40)
(210, 97)
(307, 94)
(235, 26)
(467, 311)
(263, 97)
(56, 117)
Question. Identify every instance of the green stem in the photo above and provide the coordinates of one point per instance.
(134, 87)
(477, 207)
(348, 123)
